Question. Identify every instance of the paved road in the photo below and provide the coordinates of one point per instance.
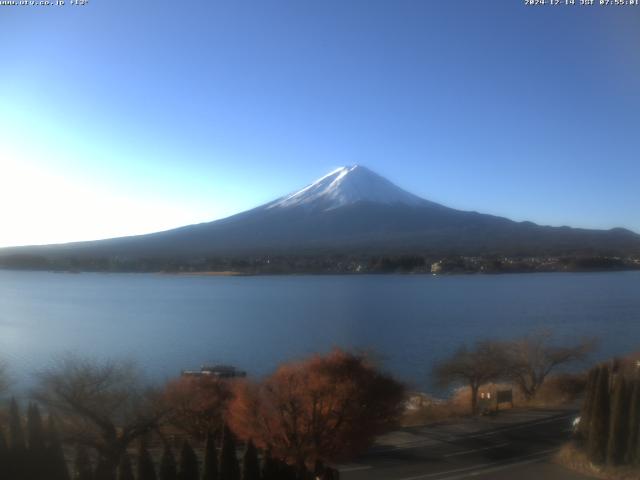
(515, 444)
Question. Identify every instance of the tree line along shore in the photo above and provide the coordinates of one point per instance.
(329, 264)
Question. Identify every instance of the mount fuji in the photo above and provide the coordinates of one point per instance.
(351, 210)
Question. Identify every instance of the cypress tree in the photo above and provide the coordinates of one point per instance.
(104, 470)
(188, 463)
(318, 469)
(332, 474)
(17, 465)
(634, 422)
(4, 453)
(34, 444)
(125, 471)
(636, 460)
(55, 460)
(168, 467)
(285, 471)
(587, 405)
(229, 467)
(301, 472)
(16, 433)
(146, 470)
(35, 432)
(250, 464)
(210, 468)
(82, 465)
(599, 422)
(269, 467)
(619, 426)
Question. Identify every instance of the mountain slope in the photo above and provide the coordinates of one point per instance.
(352, 210)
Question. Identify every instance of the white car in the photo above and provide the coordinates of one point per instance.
(575, 424)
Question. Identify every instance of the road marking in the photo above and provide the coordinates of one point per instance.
(436, 474)
(483, 468)
(355, 468)
(497, 468)
(517, 427)
(466, 452)
(452, 438)
(409, 445)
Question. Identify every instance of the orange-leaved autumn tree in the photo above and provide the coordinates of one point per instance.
(197, 405)
(325, 408)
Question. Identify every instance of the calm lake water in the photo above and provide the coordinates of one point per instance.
(168, 323)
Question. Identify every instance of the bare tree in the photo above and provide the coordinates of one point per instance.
(473, 367)
(532, 358)
(197, 405)
(101, 405)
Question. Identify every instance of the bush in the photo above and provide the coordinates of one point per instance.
(561, 389)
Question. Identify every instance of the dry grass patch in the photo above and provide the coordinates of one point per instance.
(430, 410)
(573, 458)
(558, 391)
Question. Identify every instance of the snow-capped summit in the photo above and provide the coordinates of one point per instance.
(346, 186)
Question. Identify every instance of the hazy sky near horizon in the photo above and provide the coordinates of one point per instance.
(122, 117)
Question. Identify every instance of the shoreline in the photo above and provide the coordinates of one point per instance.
(235, 273)
(207, 273)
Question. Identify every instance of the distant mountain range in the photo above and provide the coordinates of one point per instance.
(351, 210)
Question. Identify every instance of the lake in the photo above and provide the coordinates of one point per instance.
(171, 322)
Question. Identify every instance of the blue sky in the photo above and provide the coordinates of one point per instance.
(123, 117)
